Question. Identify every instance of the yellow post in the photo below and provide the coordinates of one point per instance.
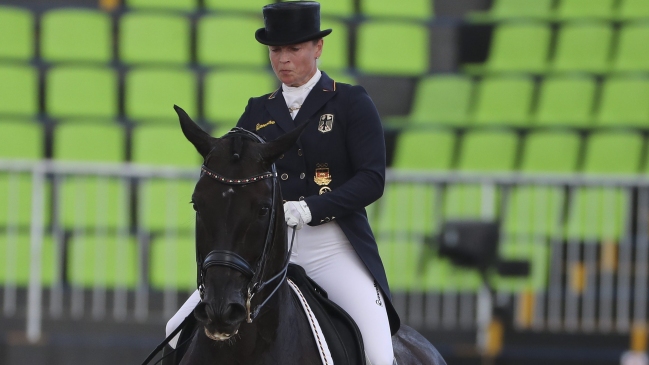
(109, 5)
(638, 337)
(525, 309)
(495, 334)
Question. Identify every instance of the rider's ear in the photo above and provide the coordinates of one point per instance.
(198, 137)
(272, 150)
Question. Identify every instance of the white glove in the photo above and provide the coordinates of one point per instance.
(297, 214)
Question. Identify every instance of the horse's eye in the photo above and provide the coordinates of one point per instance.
(263, 211)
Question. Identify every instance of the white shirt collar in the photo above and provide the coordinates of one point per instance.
(303, 88)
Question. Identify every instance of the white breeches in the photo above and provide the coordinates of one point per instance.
(329, 259)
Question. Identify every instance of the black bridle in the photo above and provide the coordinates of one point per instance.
(233, 260)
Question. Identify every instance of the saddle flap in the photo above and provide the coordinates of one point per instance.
(340, 331)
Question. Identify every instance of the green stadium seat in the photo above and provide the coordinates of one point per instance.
(19, 140)
(598, 214)
(91, 201)
(165, 204)
(427, 150)
(537, 253)
(515, 9)
(518, 47)
(623, 102)
(533, 212)
(150, 93)
(410, 207)
(173, 263)
(17, 28)
(251, 6)
(154, 38)
(488, 151)
(566, 101)
(481, 151)
(439, 274)
(335, 55)
(107, 261)
(238, 48)
(414, 9)
(633, 10)
(633, 49)
(581, 9)
(583, 47)
(177, 5)
(439, 100)
(227, 93)
(76, 35)
(344, 77)
(163, 145)
(504, 101)
(550, 152)
(15, 251)
(18, 91)
(392, 48)
(81, 92)
(336, 8)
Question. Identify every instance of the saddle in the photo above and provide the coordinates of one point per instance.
(340, 331)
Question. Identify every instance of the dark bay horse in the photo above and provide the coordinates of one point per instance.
(247, 314)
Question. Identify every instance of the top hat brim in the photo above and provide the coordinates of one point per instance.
(262, 38)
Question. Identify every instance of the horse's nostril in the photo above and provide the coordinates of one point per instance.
(234, 313)
(200, 313)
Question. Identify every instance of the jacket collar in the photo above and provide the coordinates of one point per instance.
(323, 90)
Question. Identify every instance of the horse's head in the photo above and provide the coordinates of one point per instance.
(240, 231)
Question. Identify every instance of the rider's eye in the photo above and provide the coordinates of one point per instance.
(194, 206)
(263, 211)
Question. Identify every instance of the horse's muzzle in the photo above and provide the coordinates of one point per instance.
(221, 321)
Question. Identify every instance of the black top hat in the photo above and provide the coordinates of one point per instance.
(290, 22)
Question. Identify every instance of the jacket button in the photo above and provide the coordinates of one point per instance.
(327, 219)
(299, 152)
(302, 176)
(301, 198)
(281, 157)
(284, 176)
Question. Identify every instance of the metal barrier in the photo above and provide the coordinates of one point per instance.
(593, 281)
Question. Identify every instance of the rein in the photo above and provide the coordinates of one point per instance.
(233, 260)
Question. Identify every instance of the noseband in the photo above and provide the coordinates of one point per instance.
(232, 259)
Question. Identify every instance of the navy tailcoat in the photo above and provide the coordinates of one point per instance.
(345, 146)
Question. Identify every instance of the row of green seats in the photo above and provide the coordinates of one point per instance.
(577, 101)
(591, 47)
(533, 214)
(149, 93)
(78, 35)
(102, 260)
(415, 9)
(548, 152)
(96, 201)
(564, 10)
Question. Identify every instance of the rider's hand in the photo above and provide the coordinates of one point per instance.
(297, 213)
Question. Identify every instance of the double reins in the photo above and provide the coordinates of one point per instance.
(233, 260)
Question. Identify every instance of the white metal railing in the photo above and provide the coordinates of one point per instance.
(591, 286)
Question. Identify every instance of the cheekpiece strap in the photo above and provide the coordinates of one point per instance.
(243, 181)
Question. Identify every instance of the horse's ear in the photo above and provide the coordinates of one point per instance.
(272, 150)
(197, 136)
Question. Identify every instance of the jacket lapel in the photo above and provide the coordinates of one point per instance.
(323, 90)
(277, 108)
